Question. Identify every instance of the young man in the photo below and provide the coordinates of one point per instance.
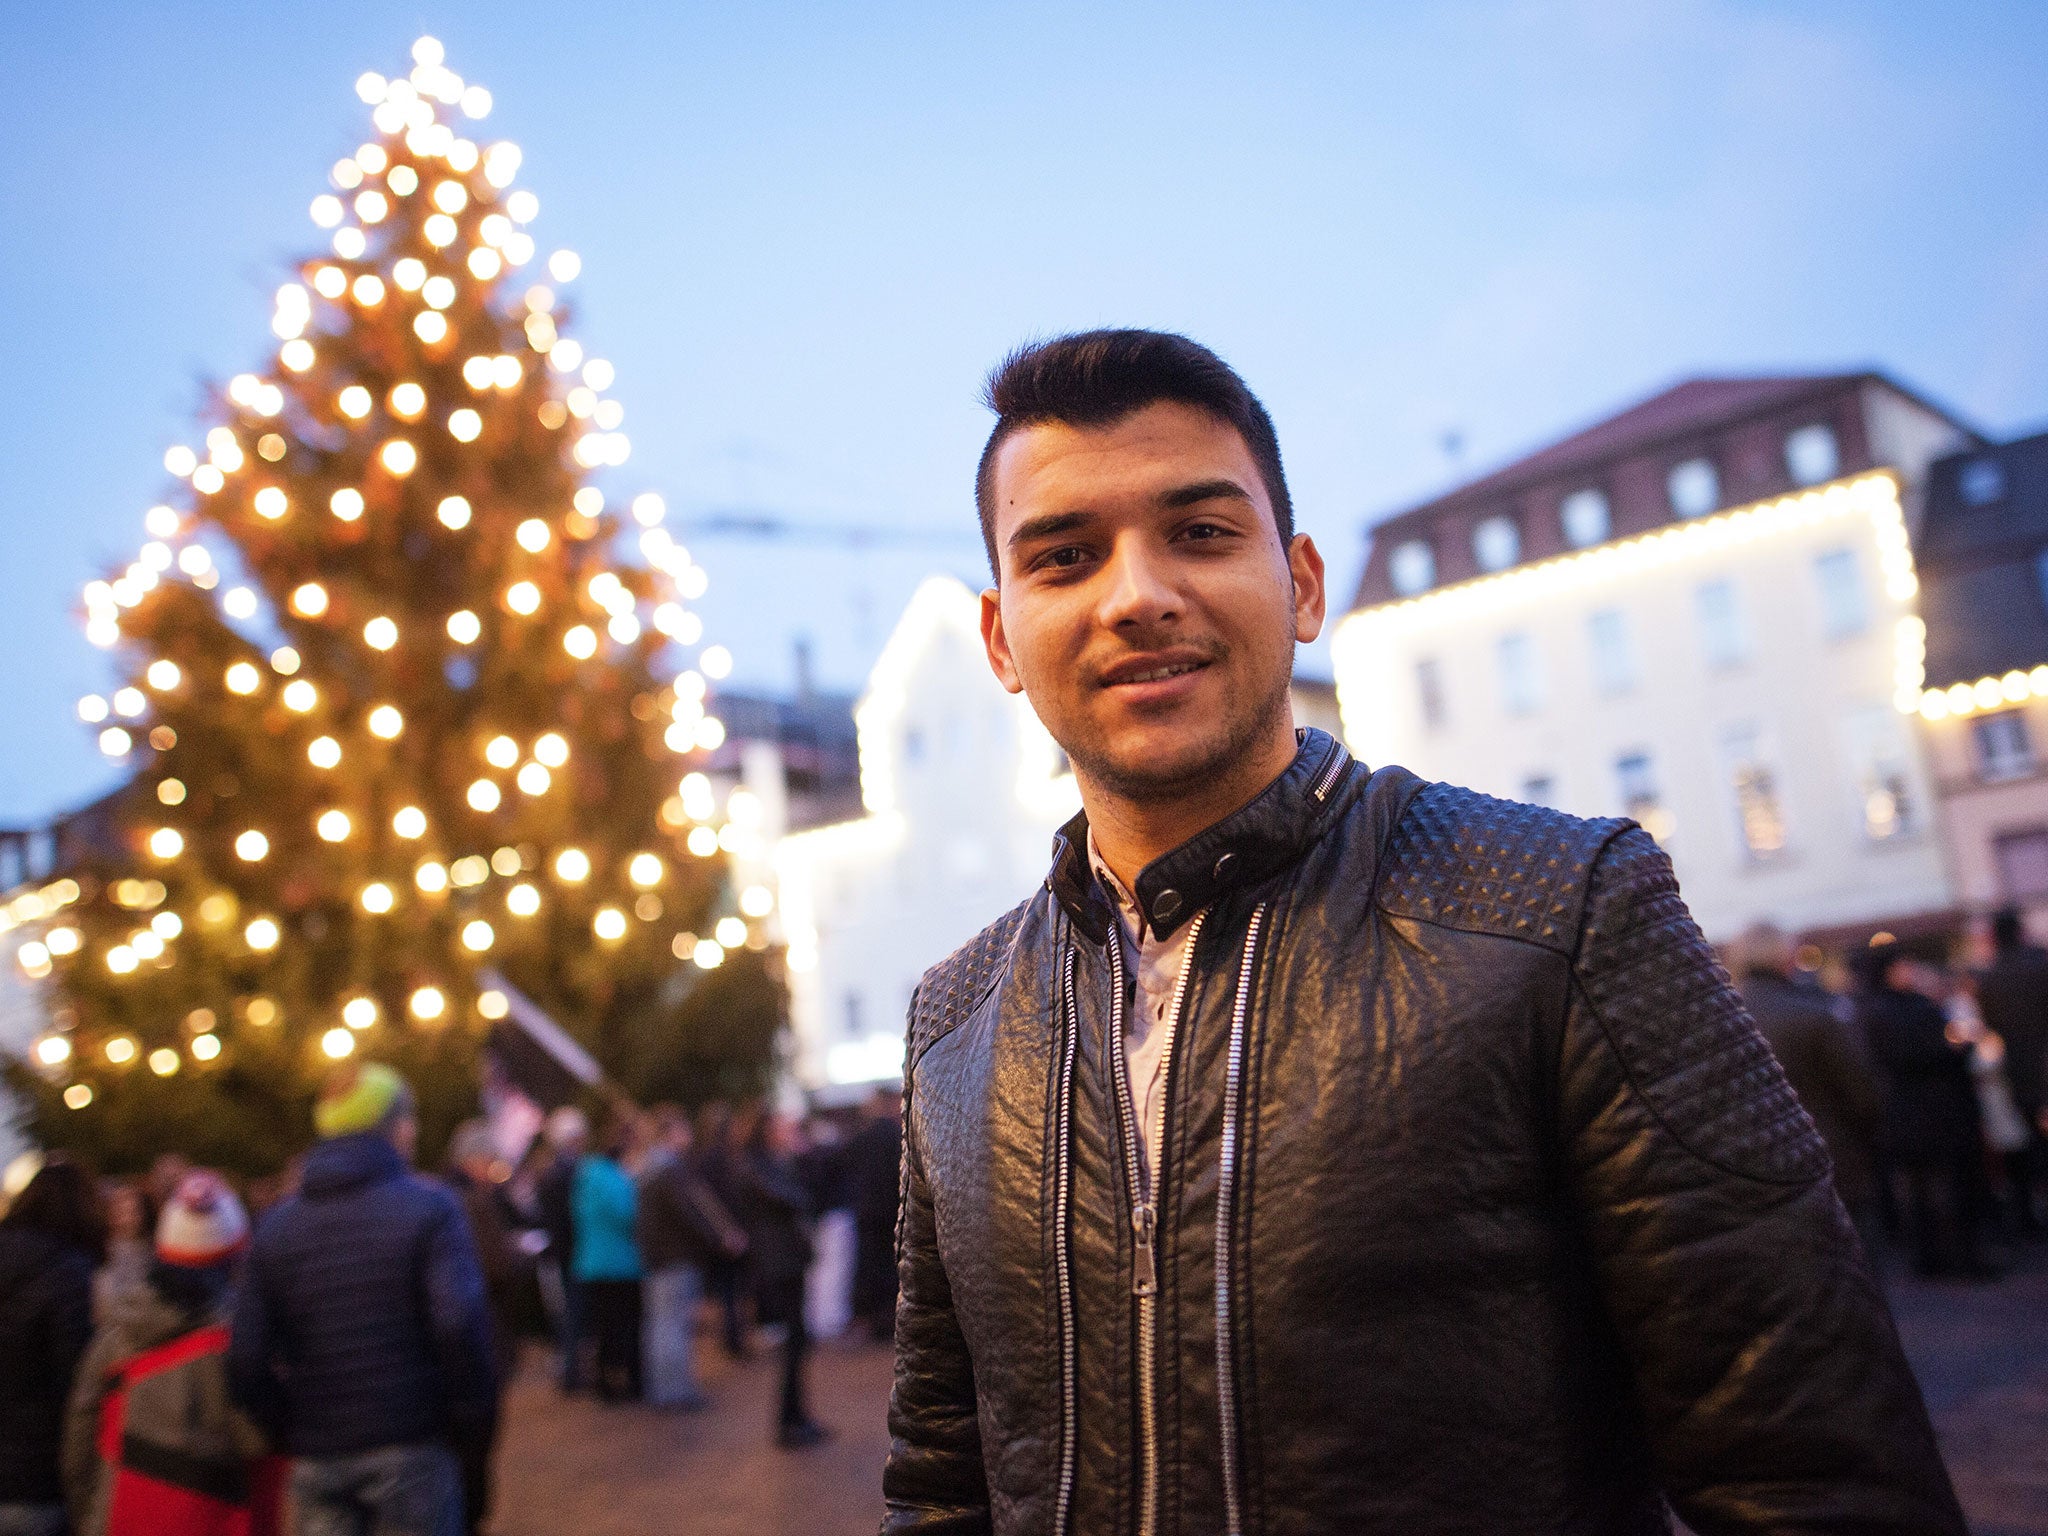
(1323, 1149)
(362, 1337)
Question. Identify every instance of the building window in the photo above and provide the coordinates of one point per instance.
(1812, 455)
(1693, 487)
(2023, 863)
(1753, 782)
(1614, 659)
(1429, 691)
(1723, 637)
(1497, 544)
(1539, 789)
(1843, 608)
(1412, 568)
(1521, 688)
(1982, 482)
(2004, 750)
(1585, 517)
(1884, 786)
(1637, 780)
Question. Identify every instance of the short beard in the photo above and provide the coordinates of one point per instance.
(1236, 742)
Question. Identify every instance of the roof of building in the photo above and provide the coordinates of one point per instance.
(1683, 409)
(1983, 543)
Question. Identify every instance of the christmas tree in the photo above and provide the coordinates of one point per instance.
(409, 706)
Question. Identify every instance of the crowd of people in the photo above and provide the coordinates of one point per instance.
(336, 1365)
(1927, 1079)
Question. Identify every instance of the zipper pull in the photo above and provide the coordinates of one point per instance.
(1145, 1274)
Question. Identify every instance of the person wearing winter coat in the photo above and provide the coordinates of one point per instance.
(607, 1262)
(471, 1172)
(775, 1209)
(153, 1443)
(51, 1239)
(362, 1335)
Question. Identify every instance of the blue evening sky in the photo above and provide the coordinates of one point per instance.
(809, 229)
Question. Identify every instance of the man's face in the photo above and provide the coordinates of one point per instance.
(1147, 606)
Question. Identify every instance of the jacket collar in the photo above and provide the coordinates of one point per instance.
(1242, 849)
(348, 1162)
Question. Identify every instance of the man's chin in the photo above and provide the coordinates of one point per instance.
(1155, 765)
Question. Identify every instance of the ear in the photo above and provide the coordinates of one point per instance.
(996, 643)
(1305, 563)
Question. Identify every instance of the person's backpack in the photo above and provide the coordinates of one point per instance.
(165, 1490)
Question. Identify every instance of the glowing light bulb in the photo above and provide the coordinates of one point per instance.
(359, 1012)
(205, 1047)
(369, 288)
(354, 402)
(580, 642)
(333, 826)
(716, 662)
(408, 273)
(564, 266)
(399, 456)
(532, 535)
(408, 401)
(309, 600)
(551, 749)
(346, 504)
(262, 934)
(371, 207)
(709, 954)
(572, 866)
(337, 1043)
(386, 722)
(251, 846)
(380, 634)
(300, 696)
(703, 842)
(440, 231)
(431, 877)
(644, 869)
(171, 792)
(501, 752)
(534, 780)
(428, 1003)
(324, 752)
(115, 742)
(166, 842)
(430, 326)
(464, 627)
(648, 508)
(523, 900)
(271, 502)
(326, 210)
(296, 354)
(523, 597)
(243, 678)
(484, 796)
(609, 924)
(477, 936)
(465, 425)
(163, 675)
(377, 897)
(409, 822)
(757, 901)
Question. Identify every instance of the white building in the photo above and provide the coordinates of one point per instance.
(963, 790)
(1625, 632)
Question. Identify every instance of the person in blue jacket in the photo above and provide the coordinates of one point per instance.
(361, 1339)
(607, 1259)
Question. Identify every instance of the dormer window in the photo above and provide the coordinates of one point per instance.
(1497, 544)
(1586, 518)
(1983, 482)
(1412, 567)
(1694, 488)
(1812, 454)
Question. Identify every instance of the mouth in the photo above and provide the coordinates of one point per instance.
(1150, 671)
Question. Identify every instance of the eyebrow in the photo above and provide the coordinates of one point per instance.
(1204, 490)
(1049, 525)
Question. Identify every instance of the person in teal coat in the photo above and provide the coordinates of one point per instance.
(607, 1260)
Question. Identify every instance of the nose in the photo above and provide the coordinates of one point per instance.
(1136, 590)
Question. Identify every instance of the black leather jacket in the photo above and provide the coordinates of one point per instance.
(1483, 1206)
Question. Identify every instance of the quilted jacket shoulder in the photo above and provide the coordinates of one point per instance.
(950, 990)
(1465, 860)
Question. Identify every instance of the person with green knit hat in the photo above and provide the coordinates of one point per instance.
(362, 1336)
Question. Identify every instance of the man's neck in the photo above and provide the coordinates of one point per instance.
(1129, 834)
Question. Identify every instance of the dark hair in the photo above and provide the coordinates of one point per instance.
(63, 1199)
(1097, 378)
(2006, 929)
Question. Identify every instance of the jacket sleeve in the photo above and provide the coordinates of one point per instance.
(253, 1377)
(934, 1482)
(1771, 1382)
(459, 1317)
(82, 1427)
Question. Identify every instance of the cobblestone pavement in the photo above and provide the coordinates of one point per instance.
(573, 1468)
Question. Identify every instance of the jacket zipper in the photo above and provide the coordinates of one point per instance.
(1339, 761)
(1063, 1174)
(1226, 1194)
(1144, 1194)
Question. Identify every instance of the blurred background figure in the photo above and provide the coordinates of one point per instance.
(607, 1257)
(873, 1156)
(362, 1338)
(51, 1239)
(776, 1211)
(2013, 997)
(1826, 1065)
(1932, 1129)
(153, 1388)
(718, 1166)
(568, 1138)
(131, 1206)
(682, 1231)
(472, 1172)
